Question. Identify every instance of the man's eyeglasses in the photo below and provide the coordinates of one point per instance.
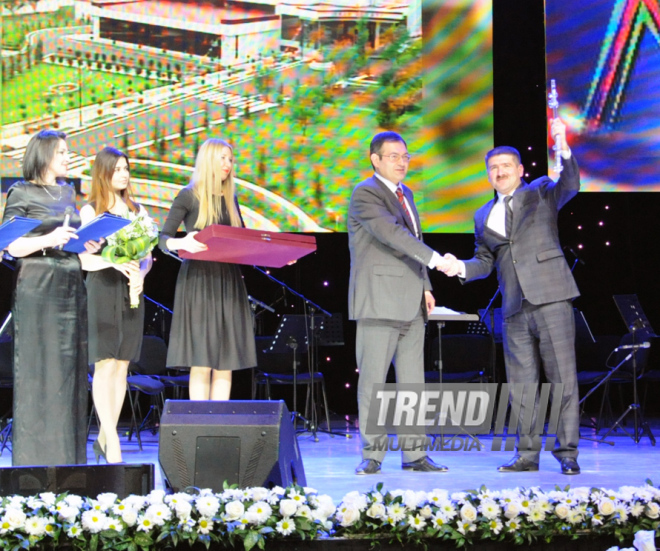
(395, 157)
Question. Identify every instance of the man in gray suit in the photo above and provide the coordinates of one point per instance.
(389, 288)
(517, 234)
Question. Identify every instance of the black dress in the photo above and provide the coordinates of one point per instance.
(212, 323)
(50, 338)
(115, 329)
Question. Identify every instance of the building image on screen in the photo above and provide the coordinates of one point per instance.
(298, 89)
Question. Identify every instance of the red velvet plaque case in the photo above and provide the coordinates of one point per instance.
(255, 247)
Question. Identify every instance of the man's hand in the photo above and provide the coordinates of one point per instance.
(558, 133)
(451, 265)
(430, 301)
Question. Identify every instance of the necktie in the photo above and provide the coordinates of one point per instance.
(399, 195)
(508, 216)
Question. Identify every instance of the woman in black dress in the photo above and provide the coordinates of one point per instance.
(49, 311)
(115, 329)
(212, 326)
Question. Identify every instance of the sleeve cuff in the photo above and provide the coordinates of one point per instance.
(435, 260)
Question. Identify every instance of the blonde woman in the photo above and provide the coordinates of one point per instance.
(115, 329)
(211, 327)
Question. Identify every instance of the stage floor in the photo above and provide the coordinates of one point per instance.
(330, 465)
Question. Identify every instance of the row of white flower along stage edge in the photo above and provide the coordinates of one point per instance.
(301, 518)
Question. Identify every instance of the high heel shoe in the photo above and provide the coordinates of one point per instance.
(98, 452)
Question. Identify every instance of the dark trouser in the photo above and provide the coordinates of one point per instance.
(545, 336)
(378, 344)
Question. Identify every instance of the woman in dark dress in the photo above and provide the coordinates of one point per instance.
(115, 329)
(50, 313)
(212, 326)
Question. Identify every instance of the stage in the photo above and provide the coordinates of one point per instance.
(330, 465)
(330, 461)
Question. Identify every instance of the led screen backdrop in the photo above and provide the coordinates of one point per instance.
(298, 88)
(605, 57)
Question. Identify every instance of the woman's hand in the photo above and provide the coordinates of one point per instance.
(190, 244)
(60, 236)
(92, 247)
(128, 268)
(136, 282)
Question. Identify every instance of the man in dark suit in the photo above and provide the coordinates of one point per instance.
(389, 288)
(517, 234)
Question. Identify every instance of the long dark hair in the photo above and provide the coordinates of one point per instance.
(39, 154)
(102, 171)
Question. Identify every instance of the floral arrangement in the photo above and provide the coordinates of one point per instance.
(644, 541)
(519, 515)
(253, 516)
(132, 242)
(235, 515)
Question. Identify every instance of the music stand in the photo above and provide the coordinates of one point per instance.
(319, 330)
(292, 335)
(633, 315)
(328, 331)
(638, 324)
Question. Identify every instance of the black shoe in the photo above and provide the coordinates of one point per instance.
(368, 466)
(424, 464)
(569, 466)
(518, 465)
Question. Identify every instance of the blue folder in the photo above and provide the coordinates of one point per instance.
(101, 227)
(15, 227)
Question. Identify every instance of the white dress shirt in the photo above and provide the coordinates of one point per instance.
(435, 259)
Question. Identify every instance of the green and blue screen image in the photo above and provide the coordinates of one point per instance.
(298, 89)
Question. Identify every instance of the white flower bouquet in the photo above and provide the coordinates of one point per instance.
(132, 242)
(252, 517)
(249, 516)
(519, 515)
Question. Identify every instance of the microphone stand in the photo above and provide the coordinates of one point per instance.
(312, 358)
(603, 381)
(638, 415)
(160, 310)
(490, 311)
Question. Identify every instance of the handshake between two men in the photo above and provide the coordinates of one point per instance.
(450, 265)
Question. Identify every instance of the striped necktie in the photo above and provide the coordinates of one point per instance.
(399, 195)
(508, 216)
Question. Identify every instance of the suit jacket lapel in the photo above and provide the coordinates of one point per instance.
(395, 203)
(485, 213)
(411, 203)
(516, 207)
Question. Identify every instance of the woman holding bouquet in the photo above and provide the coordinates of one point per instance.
(115, 328)
(49, 310)
(212, 326)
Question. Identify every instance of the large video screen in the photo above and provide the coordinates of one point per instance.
(298, 89)
(605, 58)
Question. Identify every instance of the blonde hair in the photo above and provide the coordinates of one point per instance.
(103, 169)
(206, 182)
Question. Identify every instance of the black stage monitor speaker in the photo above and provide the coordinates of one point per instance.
(82, 480)
(248, 443)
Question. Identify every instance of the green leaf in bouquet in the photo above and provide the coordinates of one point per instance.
(115, 254)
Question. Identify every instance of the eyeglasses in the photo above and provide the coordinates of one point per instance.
(395, 157)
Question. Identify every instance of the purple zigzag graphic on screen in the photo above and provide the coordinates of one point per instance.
(629, 20)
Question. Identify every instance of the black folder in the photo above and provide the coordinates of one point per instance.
(101, 227)
(15, 227)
